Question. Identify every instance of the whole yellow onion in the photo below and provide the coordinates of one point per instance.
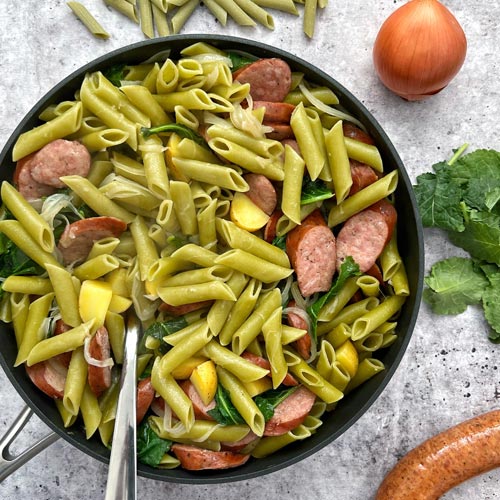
(419, 49)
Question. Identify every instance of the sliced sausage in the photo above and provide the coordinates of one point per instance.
(291, 412)
(99, 378)
(237, 446)
(362, 175)
(312, 250)
(289, 379)
(38, 174)
(158, 406)
(365, 234)
(61, 327)
(376, 273)
(26, 185)
(57, 159)
(270, 227)
(194, 458)
(185, 308)
(269, 79)
(49, 376)
(261, 191)
(200, 408)
(445, 460)
(279, 112)
(145, 396)
(280, 132)
(354, 132)
(303, 344)
(78, 237)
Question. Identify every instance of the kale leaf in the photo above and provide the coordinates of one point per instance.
(150, 446)
(225, 412)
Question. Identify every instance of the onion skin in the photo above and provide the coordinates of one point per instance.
(419, 49)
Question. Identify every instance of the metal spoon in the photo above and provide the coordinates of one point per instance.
(122, 473)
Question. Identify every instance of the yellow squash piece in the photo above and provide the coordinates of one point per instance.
(204, 379)
(172, 152)
(347, 356)
(184, 370)
(119, 304)
(246, 214)
(93, 301)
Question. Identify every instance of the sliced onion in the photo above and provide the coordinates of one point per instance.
(328, 109)
(171, 425)
(158, 57)
(297, 296)
(100, 363)
(211, 119)
(211, 57)
(285, 294)
(53, 204)
(244, 119)
(208, 433)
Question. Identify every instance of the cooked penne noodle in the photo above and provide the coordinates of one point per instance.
(363, 199)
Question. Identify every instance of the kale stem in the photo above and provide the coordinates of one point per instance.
(457, 155)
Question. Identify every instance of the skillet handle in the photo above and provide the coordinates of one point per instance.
(9, 463)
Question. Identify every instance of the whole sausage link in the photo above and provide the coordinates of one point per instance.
(445, 460)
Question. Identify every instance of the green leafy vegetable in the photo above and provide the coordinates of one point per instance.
(280, 242)
(115, 74)
(269, 400)
(14, 262)
(178, 128)
(453, 284)
(239, 60)
(160, 330)
(313, 191)
(347, 269)
(150, 446)
(461, 197)
(225, 412)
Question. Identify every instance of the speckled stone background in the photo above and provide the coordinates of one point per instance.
(450, 371)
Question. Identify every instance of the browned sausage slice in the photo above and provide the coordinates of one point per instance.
(185, 308)
(291, 412)
(145, 396)
(261, 191)
(350, 130)
(57, 159)
(194, 458)
(61, 327)
(49, 376)
(445, 460)
(303, 344)
(78, 237)
(38, 174)
(270, 227)
(280, 132)
(279, 112)
(269, 79)
(289, 379)
(365, 234)
(26, 185)
(362, 175)
(99, 378)
(200, 408)
(237, 446)
(312, 251)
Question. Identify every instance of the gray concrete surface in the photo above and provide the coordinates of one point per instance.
(450, 371)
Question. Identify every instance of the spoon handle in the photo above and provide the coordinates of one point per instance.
(122, 474)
